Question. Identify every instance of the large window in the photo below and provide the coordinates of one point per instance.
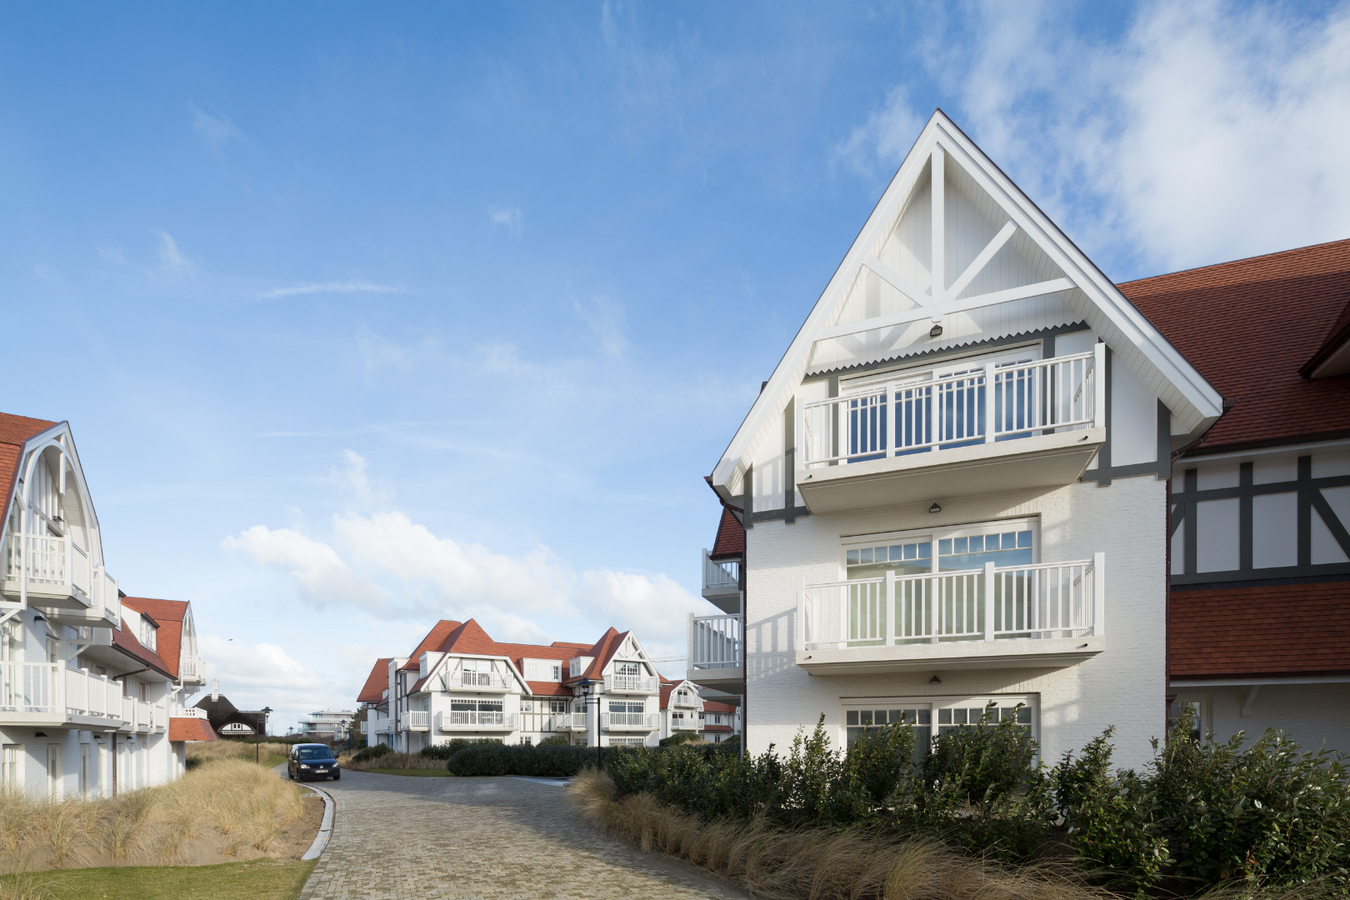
(934, 717)
(959, 548)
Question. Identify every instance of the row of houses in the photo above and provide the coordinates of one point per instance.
(93, 683)
(982, 472)
(460, 683)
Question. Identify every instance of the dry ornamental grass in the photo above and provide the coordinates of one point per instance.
(395, 761)
(225, 809)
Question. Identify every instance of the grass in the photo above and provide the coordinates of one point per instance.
(257, 880)
(393, 761)
(817, 864)
(424, 773)
(222, 808)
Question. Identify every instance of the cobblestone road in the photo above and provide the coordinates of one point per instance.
(398, 837)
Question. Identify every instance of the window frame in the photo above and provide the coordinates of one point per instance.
(905, 375)
(937, 703)
(1030, 523)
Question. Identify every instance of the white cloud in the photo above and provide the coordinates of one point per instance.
(265, 675)
(323, 578)
(607, 320)
(354, 482)
(350, 286)
(509, 217)
(215, 130)
(878, 145)
(171, 261)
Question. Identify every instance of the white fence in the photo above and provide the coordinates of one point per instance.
(628, 720)
(685, 724)
(720, 577)
(1039, 601)
(492, 681)
(43, 692)
(933, 412)
(715, 642)
(569, 722)
(630, 684)
(59, 565)
(419, 720)
(460, 719)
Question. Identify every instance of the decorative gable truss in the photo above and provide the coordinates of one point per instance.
(1002, 269)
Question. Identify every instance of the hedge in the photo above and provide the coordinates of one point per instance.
(549, 760)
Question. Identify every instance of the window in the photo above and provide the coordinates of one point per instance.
(625, 706)
(557, 706)
(543, 670)
(54, 770)
(964, 548)
(1179, 708)
(84, 770)
(11, 766)
(477, 705)
(12, 647)
(626, 742)
(527, 740)
(932, 718)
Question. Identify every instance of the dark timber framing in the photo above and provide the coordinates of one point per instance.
(1310, 498)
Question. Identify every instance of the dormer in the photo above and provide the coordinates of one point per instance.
(543, 669)
(147, 630)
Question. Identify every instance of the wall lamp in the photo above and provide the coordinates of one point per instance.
(935, 680)
(935, 508)
(935, 331)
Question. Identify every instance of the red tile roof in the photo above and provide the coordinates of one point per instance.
(435, 637)
(1296, 629)
(15, 431)
(602, 652)
(124, 639)
(190, 729)
(169, 615)
(730, 540)
(717, 706)
(549, 689)
(377, 682)
(1278, 309)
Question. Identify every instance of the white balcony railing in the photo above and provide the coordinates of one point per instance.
(57, 565)
(91, 695)
(467, 719)
(191, 669)
(685, 724)
(419, 720)
(935, 412)
(714, 642)
(569, 722)
(45, 693)
(630, 684)
(628, 721)
(479, 681)
(1050, 600)
(722, 577)
(365, 726)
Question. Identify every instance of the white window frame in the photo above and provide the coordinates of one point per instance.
(906, 375)
(11, 766)
(937, 703)
(933, 535)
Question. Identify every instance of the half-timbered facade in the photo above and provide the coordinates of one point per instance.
(92, 682)
(953, 487)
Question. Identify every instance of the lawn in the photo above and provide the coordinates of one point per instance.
(419, 773)
(256, 880)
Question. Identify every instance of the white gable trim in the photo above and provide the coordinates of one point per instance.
(1136, 343)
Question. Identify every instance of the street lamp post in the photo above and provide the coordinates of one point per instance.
(588, 691)
(257, 737)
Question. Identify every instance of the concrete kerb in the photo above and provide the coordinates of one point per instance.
(325, 827)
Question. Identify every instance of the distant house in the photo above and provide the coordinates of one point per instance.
(228, 721)
(683, 709)
(327, 725)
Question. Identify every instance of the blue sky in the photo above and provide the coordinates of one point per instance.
(365, 318)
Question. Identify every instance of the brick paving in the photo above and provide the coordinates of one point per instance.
(397, 836)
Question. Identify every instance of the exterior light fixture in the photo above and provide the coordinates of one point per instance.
(935, 508)
(936, 330)
(935, 680)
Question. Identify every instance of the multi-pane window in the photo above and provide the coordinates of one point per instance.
(627, 668)
(933, 718)
(625, 706)
(557, 706)
(476, 705)
(958, 549)
(543, 670)
(9, 766)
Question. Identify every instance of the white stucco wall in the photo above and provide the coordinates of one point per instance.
(1123, 686)
(1315, 715)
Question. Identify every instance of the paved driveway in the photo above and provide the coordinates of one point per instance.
(400, 837)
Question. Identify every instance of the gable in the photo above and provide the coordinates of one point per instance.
(1002, 268)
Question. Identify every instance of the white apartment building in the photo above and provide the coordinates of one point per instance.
(327, 724)
(92, 682)
(954, 486)
(460, 683)
(684, 710)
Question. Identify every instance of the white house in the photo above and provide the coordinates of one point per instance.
(460, 683)
(1259, 614)
(92, 682)
(954, 485)
(685, 710)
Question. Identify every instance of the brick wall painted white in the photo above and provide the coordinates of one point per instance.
(1312, 714)
(1123, 686)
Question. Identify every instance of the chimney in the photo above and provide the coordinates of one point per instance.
(215, 690)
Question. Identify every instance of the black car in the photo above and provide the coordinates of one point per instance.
(312, 761)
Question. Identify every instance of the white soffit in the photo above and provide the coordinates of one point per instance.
(1007, 270)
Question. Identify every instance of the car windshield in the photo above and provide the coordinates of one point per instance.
(313, 753)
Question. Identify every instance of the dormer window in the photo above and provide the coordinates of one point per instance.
(145, 633)
(543, 670)
(627, 668)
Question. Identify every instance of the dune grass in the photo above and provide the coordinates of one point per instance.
(257, 880)
(392, 761)
(268, 753)
(225, 808)
(818, 864)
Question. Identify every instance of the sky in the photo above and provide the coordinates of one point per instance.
(367, 316)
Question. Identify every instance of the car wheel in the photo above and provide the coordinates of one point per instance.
(337, 776)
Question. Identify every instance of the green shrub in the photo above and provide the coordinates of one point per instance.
(545, 760)
(365, 754)
(453, 746)
(681, 737)
(555, 740)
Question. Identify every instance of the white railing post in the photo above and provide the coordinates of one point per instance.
(802, 636)
(1099, 384)
(1098, 594)
(989, 591)
(803, 446)
(935, 420)
(889, 609)
(989, 423)
(890, 408)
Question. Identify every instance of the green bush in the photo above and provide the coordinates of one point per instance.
(544, 760)
(680, 737)
(365, 754)
(453, 746)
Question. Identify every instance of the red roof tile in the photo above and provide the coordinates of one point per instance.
(169, 615)
(602, 652)
(435, 637)
(126, 641)
(549, 689)
(730, 540)
(717, 706)
(1296, 629)
(377, 682)
(15, 431)
(1278, 309)
(190, 729)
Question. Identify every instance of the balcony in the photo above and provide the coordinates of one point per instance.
(569, 722)
(489, 682)
(685, 724)
(419, 720)
(38, 694)
(715, 652)
(59, 578)
(629, 721)
(365, 727)
(986, 429)
(191, 669)
(630, 684)
(722, 583)
(141, 717)
(1042, 616)
(475, 720)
